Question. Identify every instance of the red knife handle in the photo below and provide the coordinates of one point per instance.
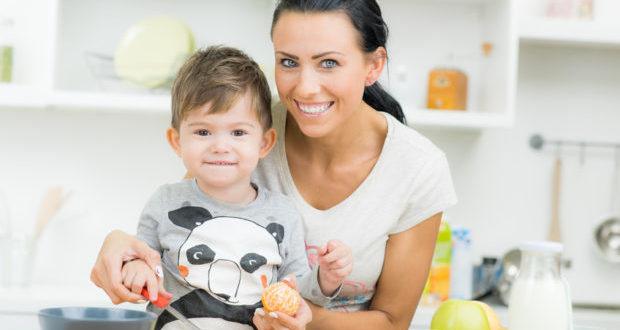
(161, 302)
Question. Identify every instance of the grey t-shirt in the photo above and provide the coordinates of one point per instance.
(214, 253)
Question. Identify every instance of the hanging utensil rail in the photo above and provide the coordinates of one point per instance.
(537, 142)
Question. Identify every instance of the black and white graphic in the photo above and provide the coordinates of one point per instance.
(223, 258)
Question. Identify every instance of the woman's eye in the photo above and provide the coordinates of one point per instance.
(203, 132)
(238, 132)
(288, 63)
(328, 64)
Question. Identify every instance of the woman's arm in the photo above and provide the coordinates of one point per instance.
(106, 274)
(407, 261)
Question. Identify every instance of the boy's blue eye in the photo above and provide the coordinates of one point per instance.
(203, 132)
(328, 64)
(238, 132)
(288, 63)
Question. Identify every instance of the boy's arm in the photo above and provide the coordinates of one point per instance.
(295, 262)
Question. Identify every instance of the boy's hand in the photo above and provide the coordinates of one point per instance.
(335, 264)
(137, 274)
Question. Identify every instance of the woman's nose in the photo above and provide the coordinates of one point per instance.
(308, 83)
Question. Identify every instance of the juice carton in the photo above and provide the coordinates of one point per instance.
(437, 288)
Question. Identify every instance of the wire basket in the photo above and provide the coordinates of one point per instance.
(102, 68)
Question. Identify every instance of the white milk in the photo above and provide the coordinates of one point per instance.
(538, 304)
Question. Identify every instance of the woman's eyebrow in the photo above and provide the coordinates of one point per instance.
(325, 54)
(314, 57)
(287, 55)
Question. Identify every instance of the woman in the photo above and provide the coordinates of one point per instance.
(355, 172)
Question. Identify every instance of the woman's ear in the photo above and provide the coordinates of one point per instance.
(174, 140)
(269, 140)
(378, 58)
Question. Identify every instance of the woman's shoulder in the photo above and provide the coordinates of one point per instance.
(410, 143)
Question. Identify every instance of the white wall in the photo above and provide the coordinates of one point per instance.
(112, 163)
(504, 186)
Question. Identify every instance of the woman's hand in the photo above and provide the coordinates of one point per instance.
(280, 321)
(106, 274)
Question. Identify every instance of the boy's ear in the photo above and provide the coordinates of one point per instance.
(269, 140)
(377, 63)
(173, 140)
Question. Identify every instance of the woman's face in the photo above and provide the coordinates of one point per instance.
(320, 70)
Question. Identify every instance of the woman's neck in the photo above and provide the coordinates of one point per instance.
(364, 129)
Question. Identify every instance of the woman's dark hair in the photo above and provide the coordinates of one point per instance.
(365, 15)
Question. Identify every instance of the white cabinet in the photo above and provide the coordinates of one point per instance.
(52, 67)
(601, 30)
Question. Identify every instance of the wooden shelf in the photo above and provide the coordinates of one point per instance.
(66, 82)
(16, 96)
(467, 120)
(569, 31)
(19, 96)
(110, 102)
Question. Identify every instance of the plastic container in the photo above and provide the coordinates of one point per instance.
(437, 289)
(461, 265)
(7, 40)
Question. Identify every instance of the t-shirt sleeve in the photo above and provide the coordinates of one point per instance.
(150, 218)
(432, 192)
(295, 262)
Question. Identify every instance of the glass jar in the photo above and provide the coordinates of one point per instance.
(6, 48)
(540, 296)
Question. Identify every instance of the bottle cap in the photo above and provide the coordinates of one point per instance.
(543, 246)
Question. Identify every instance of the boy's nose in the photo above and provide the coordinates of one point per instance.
(220, 144)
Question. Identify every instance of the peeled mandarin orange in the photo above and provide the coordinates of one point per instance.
(282, 298)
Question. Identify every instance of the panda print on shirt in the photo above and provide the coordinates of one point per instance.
(223, 258)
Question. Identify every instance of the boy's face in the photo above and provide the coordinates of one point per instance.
(221, 150)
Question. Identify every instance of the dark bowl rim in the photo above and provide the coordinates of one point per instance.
(45, 312)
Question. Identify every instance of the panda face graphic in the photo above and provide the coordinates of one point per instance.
(226, 256)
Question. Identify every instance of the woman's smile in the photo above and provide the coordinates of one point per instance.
(314, 109)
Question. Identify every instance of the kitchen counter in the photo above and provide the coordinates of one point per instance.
(19, 307)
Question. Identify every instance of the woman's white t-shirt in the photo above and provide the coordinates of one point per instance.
(409, 183)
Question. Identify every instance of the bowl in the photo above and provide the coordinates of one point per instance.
(607, 238)
(95, 318)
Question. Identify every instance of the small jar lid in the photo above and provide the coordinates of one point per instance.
(542, 246)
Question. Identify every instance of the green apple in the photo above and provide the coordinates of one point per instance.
(455, 314)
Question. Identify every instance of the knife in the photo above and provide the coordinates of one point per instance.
(164, 304)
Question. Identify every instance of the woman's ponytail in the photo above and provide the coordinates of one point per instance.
(379, 99)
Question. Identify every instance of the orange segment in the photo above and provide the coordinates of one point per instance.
(281, 297)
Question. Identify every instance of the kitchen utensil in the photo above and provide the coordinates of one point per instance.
(164, 303)
(607, 237)
(540, 295)
(554, 227)
(151, 52)
(95, 318)
(53, 200)
(510, 268)
(607, 232)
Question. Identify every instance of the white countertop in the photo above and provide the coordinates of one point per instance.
(19, 307)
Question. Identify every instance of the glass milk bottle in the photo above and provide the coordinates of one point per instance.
(540, 296)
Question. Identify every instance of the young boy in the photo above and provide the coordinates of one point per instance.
(218, 233)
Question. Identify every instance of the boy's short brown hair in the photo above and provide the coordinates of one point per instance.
(220, 76)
